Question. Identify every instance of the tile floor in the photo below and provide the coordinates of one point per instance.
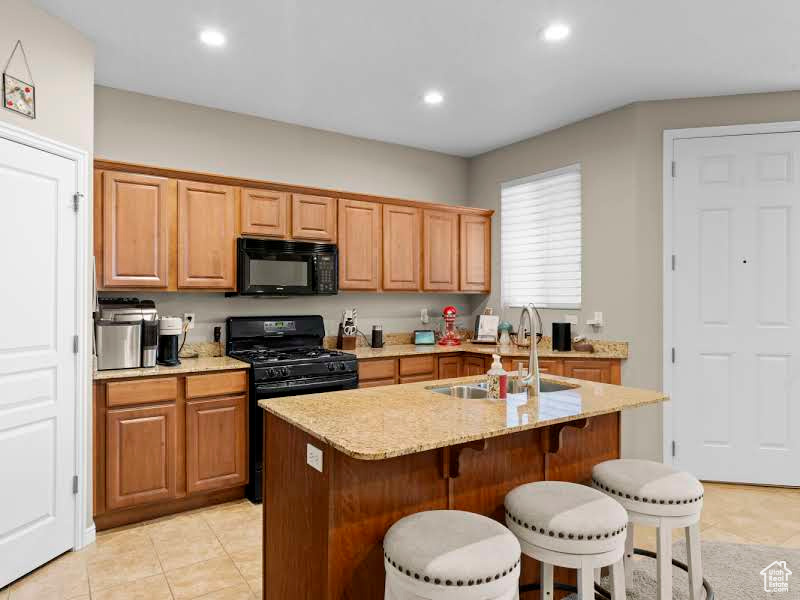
(215, 553)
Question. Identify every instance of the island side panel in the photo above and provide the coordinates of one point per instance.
(296, 514)
(367, 497)
(580, 449)
(486, 476)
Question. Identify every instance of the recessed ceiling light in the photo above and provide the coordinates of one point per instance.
(212, 37)
(433, 97)
(555, 32)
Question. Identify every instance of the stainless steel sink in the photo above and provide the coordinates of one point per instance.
(473, 391)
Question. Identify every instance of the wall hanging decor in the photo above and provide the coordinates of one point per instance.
(19, 95)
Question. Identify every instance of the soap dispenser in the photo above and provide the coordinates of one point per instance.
(498, 379)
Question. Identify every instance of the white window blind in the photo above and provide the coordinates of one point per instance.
(540, 239)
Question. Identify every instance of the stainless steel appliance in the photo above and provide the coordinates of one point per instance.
(149, 343)
(118, 331)
(287, 359)
(283, 268)
(169, 331)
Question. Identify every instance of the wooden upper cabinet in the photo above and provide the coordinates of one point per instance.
(359, 245)
(135, 230)
(401, 247)
(141, 455)
(265, 212)
(439, 250)
(313, 218)
(206, 235)
(475, 252)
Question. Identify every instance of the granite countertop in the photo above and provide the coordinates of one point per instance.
(607, 350)
(188, 365)
(383, 422)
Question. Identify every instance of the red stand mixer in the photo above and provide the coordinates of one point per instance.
(450, 337)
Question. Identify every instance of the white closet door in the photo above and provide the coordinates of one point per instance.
(737, 308)
(37, 366)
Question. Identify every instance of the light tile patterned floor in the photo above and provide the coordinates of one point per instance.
(215, 554)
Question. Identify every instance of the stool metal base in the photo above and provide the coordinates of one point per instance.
(600, 593)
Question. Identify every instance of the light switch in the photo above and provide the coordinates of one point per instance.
(314, 457)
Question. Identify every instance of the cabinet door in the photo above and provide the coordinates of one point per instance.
(264, 212)
(401, 247)
(313, 218)
(440, 251)
(473, 365)
(359, 245)
(449, 366)
(417, 368)
(475, 253)
(551, 366)
(216, 443)
(206, 235)
(141, 455)
(589, 369)
(135, 230)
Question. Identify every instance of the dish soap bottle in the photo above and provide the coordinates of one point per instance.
(498, 380)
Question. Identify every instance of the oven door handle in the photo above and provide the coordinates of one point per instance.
(267, 388)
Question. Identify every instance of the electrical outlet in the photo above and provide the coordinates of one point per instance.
(571, 319)
(314, 457)
(189, 317)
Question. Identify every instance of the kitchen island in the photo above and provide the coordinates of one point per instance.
(341, 468)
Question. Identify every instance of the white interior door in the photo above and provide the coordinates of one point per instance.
(37, 366)
(736, 321)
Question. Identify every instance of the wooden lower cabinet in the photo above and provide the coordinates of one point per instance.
(388, 371)
(167, 444)
(474, 365)
(216, 444)
(141, 454)
(418, 368)
(593, 369)
(449, 367)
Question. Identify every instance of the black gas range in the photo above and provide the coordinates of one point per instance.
(286, 358)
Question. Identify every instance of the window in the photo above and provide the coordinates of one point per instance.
(540, 239)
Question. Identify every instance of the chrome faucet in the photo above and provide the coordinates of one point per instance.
(531, 380)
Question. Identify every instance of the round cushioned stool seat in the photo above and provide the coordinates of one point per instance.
(451, 548)
(566, 517)
(649, 488)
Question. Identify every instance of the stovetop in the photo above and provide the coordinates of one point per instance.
(262, 355)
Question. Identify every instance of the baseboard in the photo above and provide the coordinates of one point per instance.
(128, 516)
(89, 536)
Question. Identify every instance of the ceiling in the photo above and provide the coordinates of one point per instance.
(361, 67)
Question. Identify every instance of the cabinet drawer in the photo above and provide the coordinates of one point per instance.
(416, 378)
(218, 384)
(551, 366)
(418, 365)
(141, 391)
(385, 368)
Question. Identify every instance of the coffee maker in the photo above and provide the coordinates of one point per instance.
(169, 331)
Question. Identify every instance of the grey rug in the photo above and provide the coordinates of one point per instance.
(734, 571)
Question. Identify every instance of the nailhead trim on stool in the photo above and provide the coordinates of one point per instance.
(564, 534)
(446, 582)
(605, 488)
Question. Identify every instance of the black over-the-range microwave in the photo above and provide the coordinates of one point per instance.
(283, 268)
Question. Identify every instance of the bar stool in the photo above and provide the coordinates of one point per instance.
(449, 555)
(658, 496)
(569, 525)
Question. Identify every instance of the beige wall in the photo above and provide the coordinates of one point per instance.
(144, 129)
(62, 61)
(621, 155)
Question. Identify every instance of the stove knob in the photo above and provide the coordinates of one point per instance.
(341, 366)
(285, 371)
(271, 372)
(331, 366)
